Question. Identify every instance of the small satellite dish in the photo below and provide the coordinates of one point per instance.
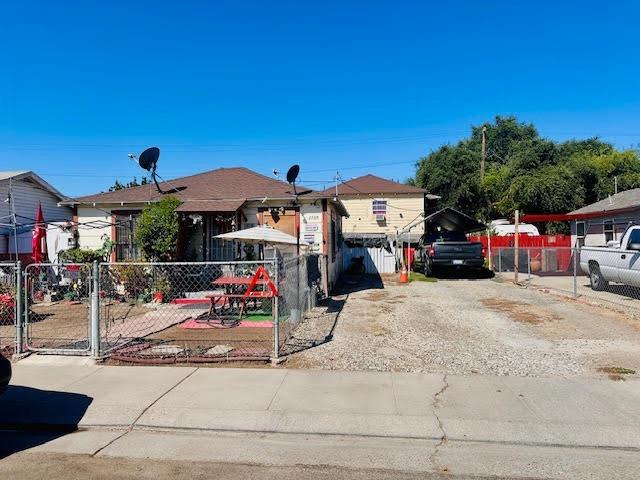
(292, 174)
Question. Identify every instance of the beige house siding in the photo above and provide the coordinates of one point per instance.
(401, 210)
(92, 236)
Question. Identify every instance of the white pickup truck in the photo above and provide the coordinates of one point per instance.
(617, 262)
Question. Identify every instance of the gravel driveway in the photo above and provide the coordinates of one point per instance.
(466, 327)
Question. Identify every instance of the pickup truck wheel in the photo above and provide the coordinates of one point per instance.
(597, 281)
(428, 270)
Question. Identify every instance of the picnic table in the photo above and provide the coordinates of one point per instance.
(239, 290)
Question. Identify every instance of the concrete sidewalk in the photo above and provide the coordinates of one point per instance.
(549, 411)
(505, 426)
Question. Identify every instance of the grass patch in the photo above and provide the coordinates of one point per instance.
(257, 317)
(419, 277)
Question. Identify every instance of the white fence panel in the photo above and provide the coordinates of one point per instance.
(376, 260)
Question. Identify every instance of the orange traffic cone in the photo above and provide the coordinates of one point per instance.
(404, 275)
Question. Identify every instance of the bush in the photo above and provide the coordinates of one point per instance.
(80, 255)
(156, 232)
(134, 278)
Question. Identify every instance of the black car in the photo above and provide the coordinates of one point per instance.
(5, 373)
(449, 249)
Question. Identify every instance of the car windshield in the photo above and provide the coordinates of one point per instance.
(445, 236)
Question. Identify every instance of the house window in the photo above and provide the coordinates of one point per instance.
(125, 247)
(580, 229)
(379, 209)
(609, 233)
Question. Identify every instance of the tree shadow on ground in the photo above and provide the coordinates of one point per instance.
(30, 417)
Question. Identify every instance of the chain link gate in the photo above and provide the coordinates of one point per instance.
(9, 306)
(57, 308)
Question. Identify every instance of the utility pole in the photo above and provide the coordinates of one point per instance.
(484, 152)
(615, 185)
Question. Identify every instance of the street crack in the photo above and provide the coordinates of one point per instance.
(437, 401)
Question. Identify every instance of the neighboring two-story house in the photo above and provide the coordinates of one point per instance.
(379, 208)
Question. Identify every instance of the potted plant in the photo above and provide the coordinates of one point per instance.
(162, 288)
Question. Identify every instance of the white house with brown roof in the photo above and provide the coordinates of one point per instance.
(215, 202)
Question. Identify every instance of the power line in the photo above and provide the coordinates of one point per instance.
(294, 143)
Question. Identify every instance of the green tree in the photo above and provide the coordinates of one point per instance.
(156, 232)
(524, 171)
(133, 183)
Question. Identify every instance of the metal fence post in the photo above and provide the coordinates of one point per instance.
(528, 264)
(276, 311)
(95, 311)
(575, 272)
(18, 312)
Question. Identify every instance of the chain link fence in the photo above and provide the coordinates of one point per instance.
(8, 306)
(299, 284)
(159, 313)
(600, 276)
(187, 312)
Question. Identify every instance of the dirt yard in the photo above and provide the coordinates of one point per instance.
(468, 327)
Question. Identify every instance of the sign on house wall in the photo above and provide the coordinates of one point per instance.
(311, 227)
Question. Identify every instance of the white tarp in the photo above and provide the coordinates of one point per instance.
(59, 238)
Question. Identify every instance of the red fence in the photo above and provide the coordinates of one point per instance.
(549, 253)
(523, 240)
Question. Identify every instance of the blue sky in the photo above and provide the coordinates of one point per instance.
(351, 86)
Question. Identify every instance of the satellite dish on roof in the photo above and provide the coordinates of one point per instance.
(292, 174)
(148, 160)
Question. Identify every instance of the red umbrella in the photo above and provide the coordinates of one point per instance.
(39, 240)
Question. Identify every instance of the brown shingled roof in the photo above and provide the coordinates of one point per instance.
(233, 185)
(370, 184)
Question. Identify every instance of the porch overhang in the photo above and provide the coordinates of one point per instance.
(199, 206)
